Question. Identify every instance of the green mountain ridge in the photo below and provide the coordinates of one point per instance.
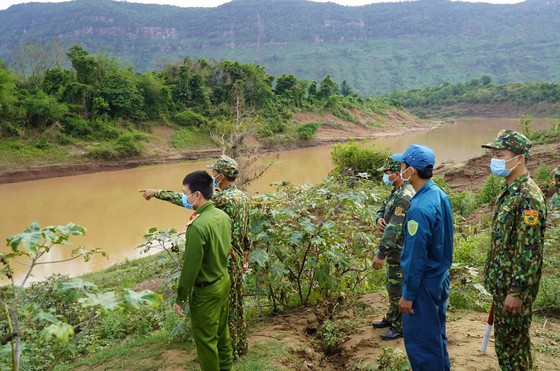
(377, 48)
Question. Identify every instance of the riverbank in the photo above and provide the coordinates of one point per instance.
(158, 149)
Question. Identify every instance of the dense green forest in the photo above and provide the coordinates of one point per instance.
(540, 98)
(100, 101)
(376, 48)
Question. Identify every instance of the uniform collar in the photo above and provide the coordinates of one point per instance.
(230, 186)
(516, 185)
(427, 186)
(205, 207)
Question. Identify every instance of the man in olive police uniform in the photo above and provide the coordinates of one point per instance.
(425, 260)
(513, 267)
(204, 279)
(235, 203)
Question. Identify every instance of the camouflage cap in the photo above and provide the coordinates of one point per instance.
(511, 140)
(225, 165)
(390, 165)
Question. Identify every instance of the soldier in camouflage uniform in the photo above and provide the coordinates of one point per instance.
(235, 203)
(555, 199)
(512, 272)
(389, 220)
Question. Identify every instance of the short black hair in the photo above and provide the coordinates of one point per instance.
(427, 173)
(199, 181)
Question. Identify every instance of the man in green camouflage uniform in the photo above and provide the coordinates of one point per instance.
(389, 220)
(513, 267)
(235, 203)
(555, 199)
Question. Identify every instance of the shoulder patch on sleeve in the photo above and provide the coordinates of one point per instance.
(531, 217)
(412, 227)
(399, 211)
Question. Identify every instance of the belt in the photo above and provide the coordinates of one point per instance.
(206, 284)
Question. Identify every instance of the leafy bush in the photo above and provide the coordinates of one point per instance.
(306, 131)
(189, 118)
(466, 291)
(464, 202)
(490, 190)
(543, 176)
(331, 337)
(312, 241)
(360, 159)
(125, 146)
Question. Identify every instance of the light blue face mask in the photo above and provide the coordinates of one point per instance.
(214, 183)
(386, 180)
(186, 203)
(498, 167)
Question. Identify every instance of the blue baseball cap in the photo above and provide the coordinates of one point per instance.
(418, 156)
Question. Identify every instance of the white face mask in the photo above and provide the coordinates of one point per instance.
(402, 174)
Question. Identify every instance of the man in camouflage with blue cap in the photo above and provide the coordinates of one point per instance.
(235, 203)
(512, 272)
(389, 220)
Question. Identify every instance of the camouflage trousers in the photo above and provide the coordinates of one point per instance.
(394, 289)
(237, 325)
(511, 335)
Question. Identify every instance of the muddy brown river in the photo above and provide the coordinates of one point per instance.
(116, 216)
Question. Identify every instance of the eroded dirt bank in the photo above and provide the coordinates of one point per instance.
(158, 150)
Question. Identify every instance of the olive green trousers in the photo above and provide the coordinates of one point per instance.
(209, 320)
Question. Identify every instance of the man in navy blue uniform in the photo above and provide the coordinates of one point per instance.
(425, 260)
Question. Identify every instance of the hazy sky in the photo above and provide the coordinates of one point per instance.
(210, 3)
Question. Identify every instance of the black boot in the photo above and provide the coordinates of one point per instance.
(381, 324)
(392, 334)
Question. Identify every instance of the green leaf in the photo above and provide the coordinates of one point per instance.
(29, 239)
(77, 284)
(45, 316)
(258, 256)
(135, 299)
(107, 300)
(278, 270)
(60, 330)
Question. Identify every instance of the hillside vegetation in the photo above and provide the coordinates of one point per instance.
(101, 110)
(376, 48)
(479, 96)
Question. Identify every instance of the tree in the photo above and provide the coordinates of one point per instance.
(328, 88)
(33, 59)
(8, 98)
(346, 89)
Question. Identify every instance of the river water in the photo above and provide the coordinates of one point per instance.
(111, 208)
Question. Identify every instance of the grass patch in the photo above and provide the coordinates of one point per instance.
(191, 138)
(139, 353)
(374, 124)
(17, 153)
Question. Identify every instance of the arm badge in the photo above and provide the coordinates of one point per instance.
(531, 217)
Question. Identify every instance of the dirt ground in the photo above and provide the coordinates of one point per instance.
(159, 151)
(464, 332)
(297, 330)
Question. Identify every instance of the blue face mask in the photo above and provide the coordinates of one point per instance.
(386, 180)
(186, 203)
(498, 167)
(214, 183)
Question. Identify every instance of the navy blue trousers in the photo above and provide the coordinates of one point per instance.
(424, 331)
